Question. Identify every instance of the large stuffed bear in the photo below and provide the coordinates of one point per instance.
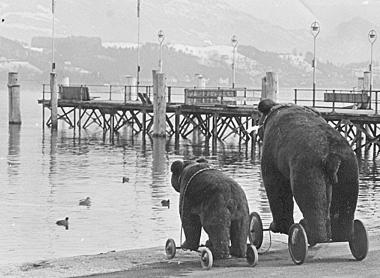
(214, 201)
(305, 158)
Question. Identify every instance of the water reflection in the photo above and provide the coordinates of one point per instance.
(160, 186)
(13, 149)
(62, 171)
(159, 157)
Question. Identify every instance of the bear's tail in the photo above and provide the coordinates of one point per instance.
(332, 164)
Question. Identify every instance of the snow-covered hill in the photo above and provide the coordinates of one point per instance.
(271, 25)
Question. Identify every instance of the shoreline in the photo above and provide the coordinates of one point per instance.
(153, 262)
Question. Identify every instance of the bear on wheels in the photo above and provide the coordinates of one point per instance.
(305, 158)
(214, 201)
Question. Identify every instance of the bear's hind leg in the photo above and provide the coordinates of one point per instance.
(343, 205)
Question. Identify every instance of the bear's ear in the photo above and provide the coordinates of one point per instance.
(265, 106)
(177, 167)
(201, 160)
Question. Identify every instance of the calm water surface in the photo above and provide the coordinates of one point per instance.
(43, 176)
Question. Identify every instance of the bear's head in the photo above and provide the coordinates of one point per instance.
(177, 169)
(266, 105)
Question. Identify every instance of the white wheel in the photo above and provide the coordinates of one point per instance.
(297, 243)
(255, 233)
(206, 258)
(170, 248)
(359, 241)
(252, 255)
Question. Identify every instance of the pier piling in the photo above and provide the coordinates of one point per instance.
(269, 86)
(14, 98)
(159, 104)
(367, 87)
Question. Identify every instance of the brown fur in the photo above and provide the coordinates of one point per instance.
(215, 202)
(305, 158)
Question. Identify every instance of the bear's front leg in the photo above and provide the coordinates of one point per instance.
(191, 224)
(280, 199)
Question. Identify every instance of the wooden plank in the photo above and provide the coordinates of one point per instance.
(346, 97)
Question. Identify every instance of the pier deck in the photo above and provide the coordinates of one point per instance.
(214, 121)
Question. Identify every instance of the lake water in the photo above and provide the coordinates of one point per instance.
(43, 176)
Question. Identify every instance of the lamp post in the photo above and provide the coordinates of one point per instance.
(372, 38)
(234, 42)
(314, 31)
(161, 38)
(52, 35)
(138, 46)
(53, 92)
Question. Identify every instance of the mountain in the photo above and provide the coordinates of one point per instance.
(348, 42)
(271, 25)
(87, 60)
(333, 13)
(196, 22)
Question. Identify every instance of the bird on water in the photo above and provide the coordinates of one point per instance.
(85, 202)
(165, 203)
(64, 223)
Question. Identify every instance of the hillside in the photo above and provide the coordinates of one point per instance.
(89, 60)
(271, 25)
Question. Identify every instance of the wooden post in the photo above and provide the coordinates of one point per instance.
(53, 101)
(159, 158)
(360, 83)
(374, 145)
(80, 122)
(130, 87)
(272, 85)
(366, 80)
(75, 120)
(112, 122)
(367, 87)
(358, 142)
(269, 86)
(263, 88)
(177, 119)
(159, 104)
(144, 122)
(104, 126)
(214, 132)
(14, 98)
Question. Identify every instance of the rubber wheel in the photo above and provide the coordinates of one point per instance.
(255, 233)
(297, 243)
(252, 255)
(206, 258)
(170, 248)
(359, 241)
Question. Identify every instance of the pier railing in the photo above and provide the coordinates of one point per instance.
(330, 99)
(338, 99)
(174, 94)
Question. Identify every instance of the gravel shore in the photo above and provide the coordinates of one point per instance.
(324, 260)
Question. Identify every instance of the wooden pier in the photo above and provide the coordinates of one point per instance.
(215, 114)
